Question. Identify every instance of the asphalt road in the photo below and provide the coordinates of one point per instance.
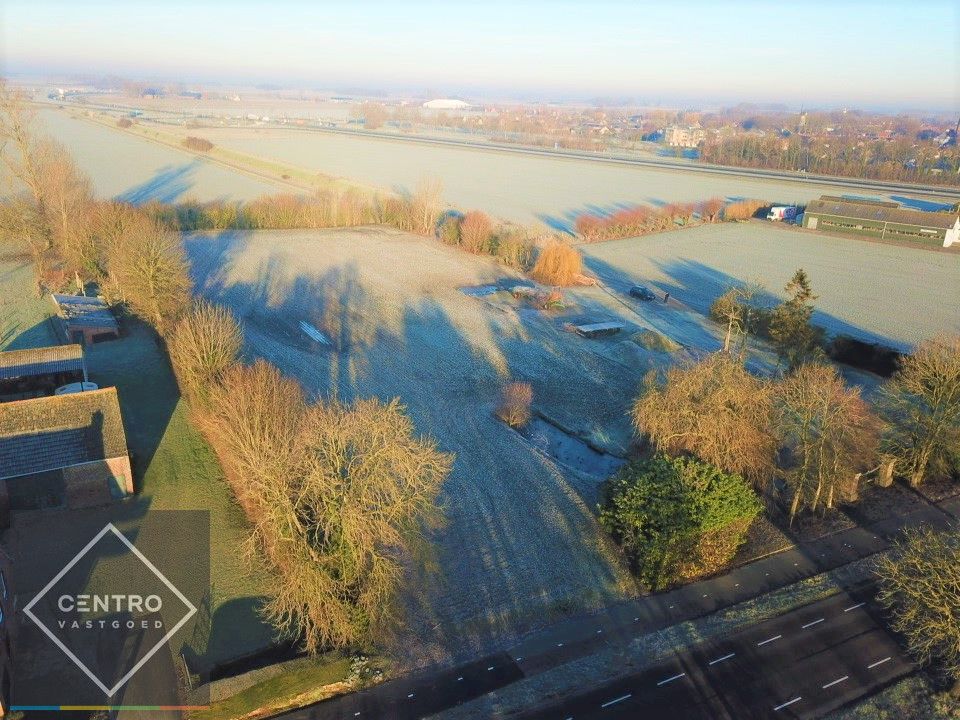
(419, 694)
(948, 194)
(800, 665)
(945, 192)
(436, 689)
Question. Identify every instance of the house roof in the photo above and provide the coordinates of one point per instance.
(866, 211)
(40, 361)
(77, 311)
(55, 432)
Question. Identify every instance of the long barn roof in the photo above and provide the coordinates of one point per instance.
(40, 361)
(875, 213)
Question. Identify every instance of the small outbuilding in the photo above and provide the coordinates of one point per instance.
(598, 329)
(885, 221)
(38, 372)
(85, 320)
(63, 451)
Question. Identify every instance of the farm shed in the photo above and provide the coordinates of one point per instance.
(880, 220)
(62, 451)
(85, 320)
(39, 371)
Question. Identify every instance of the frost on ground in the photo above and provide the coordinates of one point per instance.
(521, 545)
(876, 292)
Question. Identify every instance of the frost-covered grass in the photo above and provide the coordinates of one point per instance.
(878, 292)
(521, 545)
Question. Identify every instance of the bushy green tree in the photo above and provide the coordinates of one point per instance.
(677, 518)
(795, 338)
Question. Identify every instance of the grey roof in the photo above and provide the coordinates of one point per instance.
(40, 361)
(55, 432)
(882, 213)
(77, 311)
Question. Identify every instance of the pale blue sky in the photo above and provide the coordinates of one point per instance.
(829, 53)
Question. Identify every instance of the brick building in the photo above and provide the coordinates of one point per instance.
(84, 320)
(62, 451)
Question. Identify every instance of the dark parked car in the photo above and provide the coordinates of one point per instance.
(642, 293)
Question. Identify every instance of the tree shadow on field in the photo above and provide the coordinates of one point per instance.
(697, 285)
(511, 555)
(166, 186)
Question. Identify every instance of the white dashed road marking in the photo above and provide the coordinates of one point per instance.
(671, 679)
(878, 662)
(811, 624)
(410, 695)
(616, 700)
(490, 668)
(786, 704)
(836, 682)
(769, 640)
(854, 607)
(721, 659)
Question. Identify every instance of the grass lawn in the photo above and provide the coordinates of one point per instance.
(173, 466)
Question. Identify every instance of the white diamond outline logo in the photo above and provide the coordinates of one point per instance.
(191, 610)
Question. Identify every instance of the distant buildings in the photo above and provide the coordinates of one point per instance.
(882, 220)
(687, 136)
(446, 104)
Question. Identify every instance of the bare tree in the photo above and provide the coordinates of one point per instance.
(153, 276)
(515, 401)
(60, 193)
(715, 410)
(920, 585)
(831, 433)
(426, 204)
(734, 309)
(205, 342)
(922, 402)
(338, 497)
(557, 264)
(476, 232)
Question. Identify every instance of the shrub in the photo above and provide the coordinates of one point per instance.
(677, 518)
(476, 232)
(449, 231)
(514, 248)
(197, 143)
(124, 123)
(557, 264)
(204, 343)
(515, 401)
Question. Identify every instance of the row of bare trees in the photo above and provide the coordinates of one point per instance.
(338, 496)
(808, 430)
(643, 219)
(51, 214)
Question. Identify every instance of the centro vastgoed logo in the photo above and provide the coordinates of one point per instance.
(91, 604)
(69, 615)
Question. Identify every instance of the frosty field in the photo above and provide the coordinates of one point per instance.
(520, 188)
(134, 169)
(521, 544)
(879, 293)
(524, 189)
